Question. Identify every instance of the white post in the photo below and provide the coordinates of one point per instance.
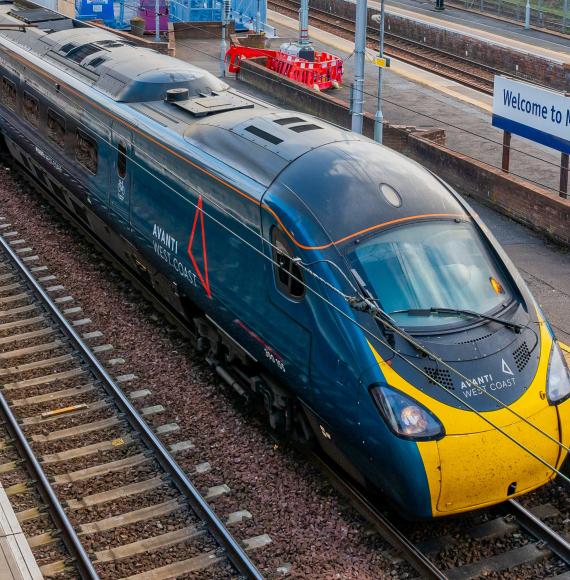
(565, 12)
(157, 20)
(359, 54)
(527, 15)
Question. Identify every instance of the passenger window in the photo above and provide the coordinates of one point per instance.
(86, 151)
(31, 109)
(288, 273)
(56, 128)
(122, 160)
(9, 93)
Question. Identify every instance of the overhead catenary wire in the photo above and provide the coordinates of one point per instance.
(232, 232)
(452, 369)
(403, 107)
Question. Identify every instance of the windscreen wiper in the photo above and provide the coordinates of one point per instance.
(459, 312)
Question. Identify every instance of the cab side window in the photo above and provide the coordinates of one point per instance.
(31, 109)
(9, 93)
(288, 274)
(56, 128)
(86, 151)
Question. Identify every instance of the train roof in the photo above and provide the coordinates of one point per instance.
(117, 67)
(342, 185)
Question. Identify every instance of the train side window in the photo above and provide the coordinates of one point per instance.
(86, 151)
(9, 93)
(31, 109)
(56, 128)
(122, 160)
(288, 274)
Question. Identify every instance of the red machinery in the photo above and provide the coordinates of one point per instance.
(324, 72)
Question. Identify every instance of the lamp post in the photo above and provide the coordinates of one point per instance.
(359, 53)
(379, 117)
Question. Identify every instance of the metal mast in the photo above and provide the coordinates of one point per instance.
(359, 54)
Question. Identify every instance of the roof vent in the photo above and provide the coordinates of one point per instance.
(96, 61)
(177, 95)
(303, 128)
(263, 135)
(67, 47)
(288, 120)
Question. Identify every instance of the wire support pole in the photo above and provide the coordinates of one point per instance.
(226, 8)
(359, 53)
(304, 23)
(379, 117)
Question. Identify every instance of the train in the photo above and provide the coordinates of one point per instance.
(346, 290)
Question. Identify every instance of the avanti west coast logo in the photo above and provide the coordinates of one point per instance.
(475, 386)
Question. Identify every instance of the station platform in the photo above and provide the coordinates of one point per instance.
(533, 41)
(424, 100)
(17, 561)
(416, 97)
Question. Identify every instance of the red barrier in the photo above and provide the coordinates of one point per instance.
(324, 72)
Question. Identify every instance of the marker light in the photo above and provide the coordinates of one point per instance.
(558, 380)
(405, 416)
(497, 287)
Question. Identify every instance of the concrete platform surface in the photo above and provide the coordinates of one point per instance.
(413, 96)
(17, 561)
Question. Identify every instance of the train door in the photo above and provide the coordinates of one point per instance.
(287, 321)
(122, 167)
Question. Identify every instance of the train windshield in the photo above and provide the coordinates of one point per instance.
(438, 264)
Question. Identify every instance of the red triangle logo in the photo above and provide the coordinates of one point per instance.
(203, 277)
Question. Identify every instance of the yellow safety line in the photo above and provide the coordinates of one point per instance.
(564, 346)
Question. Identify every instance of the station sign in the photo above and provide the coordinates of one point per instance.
(533, 112)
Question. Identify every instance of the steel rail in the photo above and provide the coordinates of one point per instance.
(479, 82)
(69, 536)
(232, 548)
(554, 541)
(392, 48)
(387, 529)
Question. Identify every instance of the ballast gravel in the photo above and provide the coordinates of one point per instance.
(314, 534)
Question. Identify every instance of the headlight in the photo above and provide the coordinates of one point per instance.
(558, 380)
(405, 416)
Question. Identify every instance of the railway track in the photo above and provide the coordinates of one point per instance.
(120, 505)
(461, 70)
(535, 540)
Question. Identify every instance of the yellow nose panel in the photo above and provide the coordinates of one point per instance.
(477, 469)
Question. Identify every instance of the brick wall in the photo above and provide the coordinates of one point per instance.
(525, 202)
(537, 208)
(517, 63)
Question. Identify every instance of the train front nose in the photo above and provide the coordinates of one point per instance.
(486, 468)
